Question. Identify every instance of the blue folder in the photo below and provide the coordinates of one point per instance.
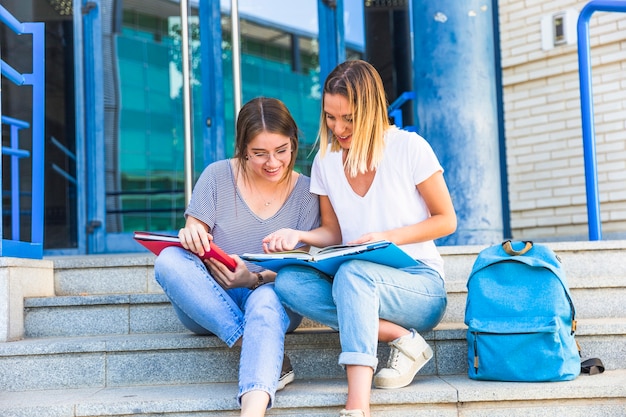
(383, 252)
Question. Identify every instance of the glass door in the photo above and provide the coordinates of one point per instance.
(144, 137)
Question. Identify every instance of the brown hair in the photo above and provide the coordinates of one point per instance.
(359, 82)
(263, 114)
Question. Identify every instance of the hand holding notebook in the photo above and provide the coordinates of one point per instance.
(156, 242)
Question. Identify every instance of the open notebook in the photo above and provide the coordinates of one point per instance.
(329, 258)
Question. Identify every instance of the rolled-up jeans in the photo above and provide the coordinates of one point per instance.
(204, 307)
(360, 294)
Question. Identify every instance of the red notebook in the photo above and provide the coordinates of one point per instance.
(156, 242)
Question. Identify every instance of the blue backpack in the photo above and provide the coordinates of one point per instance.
(520, 316)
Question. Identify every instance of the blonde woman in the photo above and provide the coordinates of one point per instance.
(375, 182)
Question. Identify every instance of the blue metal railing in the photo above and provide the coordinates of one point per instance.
(395, 109)
(586, 106)
(15, 154)
(14, 247)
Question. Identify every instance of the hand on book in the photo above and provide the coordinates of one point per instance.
(228, 279)
(194, 237)
(368, 238)
(156, 242)
(281, 240)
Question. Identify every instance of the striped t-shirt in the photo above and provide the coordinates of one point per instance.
(217, 202)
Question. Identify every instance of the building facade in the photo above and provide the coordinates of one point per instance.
(546, 174)
(114, 122)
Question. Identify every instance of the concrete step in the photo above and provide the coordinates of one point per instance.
(109, 344)
(587, 265)
(184, 358)
(92, 315)
(104, 274)
(117, 313)
(595, 272)
(152, 313)
(156, 359)
(601, 395)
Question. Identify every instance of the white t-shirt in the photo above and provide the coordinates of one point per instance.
(392, 200)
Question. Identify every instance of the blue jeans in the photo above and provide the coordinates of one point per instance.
(204, 307)
(358, 295)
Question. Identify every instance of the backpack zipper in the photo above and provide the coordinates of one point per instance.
(476, 352)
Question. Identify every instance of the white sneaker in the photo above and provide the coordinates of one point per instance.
(408, 355)
(351, 413)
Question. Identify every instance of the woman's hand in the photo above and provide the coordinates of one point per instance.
(281, 240)
(369, 237)
(195, 236)
(227, 279)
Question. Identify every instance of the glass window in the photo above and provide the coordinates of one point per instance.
(145, 189)
(276, 63)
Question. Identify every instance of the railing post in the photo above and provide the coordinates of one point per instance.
(587, 113)
(1, 169)
(38, 133)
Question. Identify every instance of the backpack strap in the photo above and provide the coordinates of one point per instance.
(508, 248)
(592, 366)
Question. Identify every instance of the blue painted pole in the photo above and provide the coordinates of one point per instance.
(94, 128)
(587, 112)
(38, 123)
(80, 127)
(331, 36)
(456, 107)
(212, 82)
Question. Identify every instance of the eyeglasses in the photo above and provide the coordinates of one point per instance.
(281, 155)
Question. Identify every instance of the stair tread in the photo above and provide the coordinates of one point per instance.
(302, 394)
(139, 361)
(308, 336)
(96, 299)
(587, 265)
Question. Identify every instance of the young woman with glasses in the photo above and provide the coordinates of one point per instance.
(237, 202)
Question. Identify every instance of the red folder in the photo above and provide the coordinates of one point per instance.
(156, 242)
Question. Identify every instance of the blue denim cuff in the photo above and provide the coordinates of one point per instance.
(355, 358)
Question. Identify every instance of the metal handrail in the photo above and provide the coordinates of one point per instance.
(394, 110)
(34, 247)
(16, 154)
(586, 107)
(9, 20)
(12, 74)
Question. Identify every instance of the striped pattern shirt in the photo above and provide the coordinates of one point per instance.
(216, 201)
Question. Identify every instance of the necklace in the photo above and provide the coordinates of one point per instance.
(266, 202)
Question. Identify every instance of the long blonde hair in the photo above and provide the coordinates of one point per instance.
(359, 82)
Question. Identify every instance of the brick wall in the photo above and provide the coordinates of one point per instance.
(543, 123)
